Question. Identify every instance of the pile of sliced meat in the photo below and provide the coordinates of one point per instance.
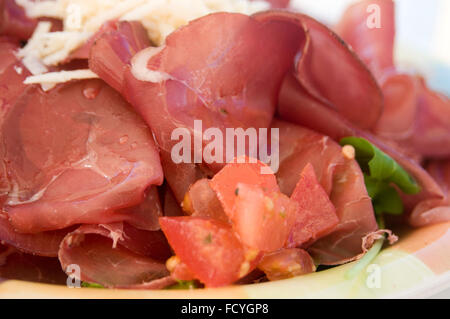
(87, 178)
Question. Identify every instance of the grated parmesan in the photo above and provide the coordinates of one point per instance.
(82, 18)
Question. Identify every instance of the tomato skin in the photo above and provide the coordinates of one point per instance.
(316, 215)
(262, 221)
(225, 181)
(287, 263)
(208, 247)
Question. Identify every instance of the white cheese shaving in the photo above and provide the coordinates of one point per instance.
(61, 76)
(142, 72)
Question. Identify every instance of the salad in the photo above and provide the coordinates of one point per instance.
(162, 144)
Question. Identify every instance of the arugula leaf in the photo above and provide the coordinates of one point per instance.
(380, 173)
(385, 198)
(184, 284)
(91, 285)
(380, 166)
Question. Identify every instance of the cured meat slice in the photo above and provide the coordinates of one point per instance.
(13, 20)
(415, 118)
(111, 49)
(341, 179)
(20, 266)
(434, 210)
(73, 155)
(42, 244)
(114, 255)
(330, 72)
(369, 27)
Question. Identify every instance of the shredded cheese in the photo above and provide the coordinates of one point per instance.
(82, 18)
(61, 76)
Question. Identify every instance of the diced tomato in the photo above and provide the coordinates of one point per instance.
(208, 247)
(263, 221)
(202, 201)
(316, 215)
(225, 181)
(287, 263)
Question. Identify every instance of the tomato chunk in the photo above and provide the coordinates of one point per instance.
(263, 221)
(316, 215)
(208, 247)
(202, 201)
(287, 263)
(225, 181)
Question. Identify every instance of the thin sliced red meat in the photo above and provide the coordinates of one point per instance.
(342, 180)
(111, 255)
(42, 244)
(415, 119)
(112, 48)
(75, 155)
(19, 266)
(438, 210)
(329, 71)
(145, 215)
(287, 263)
(14, 22)
(373, 43)
(171, 207)
(316, 215)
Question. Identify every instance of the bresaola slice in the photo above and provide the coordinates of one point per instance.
(75, 155)
(114, 256)
(330, 72)
(41, 244)
(434, 210)
(20, 266)
(375, 45)
(414, 118)
(110, 50)
(13, 20)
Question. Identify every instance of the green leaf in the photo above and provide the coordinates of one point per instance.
(184, 284)
(385, 198)
(91, 285)
(381, 172)
(379, 166)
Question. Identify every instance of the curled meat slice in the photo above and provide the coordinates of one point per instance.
(13, 20)
(115, 255)
(73, 155)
